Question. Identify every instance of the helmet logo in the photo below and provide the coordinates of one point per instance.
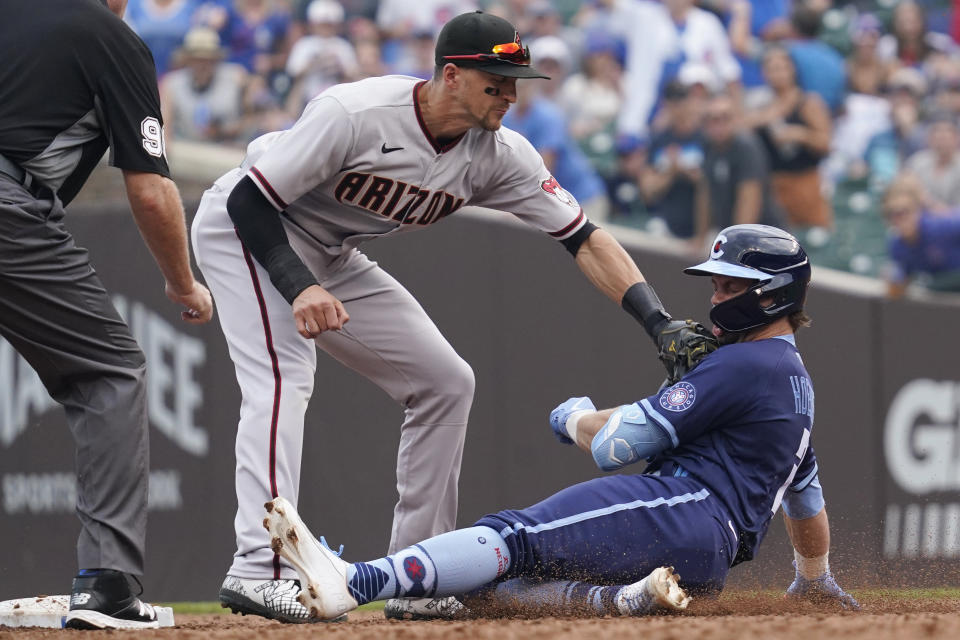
(717, 249)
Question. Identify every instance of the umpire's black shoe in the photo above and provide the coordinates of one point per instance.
(104, 599)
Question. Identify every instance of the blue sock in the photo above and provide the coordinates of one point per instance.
(559, 596)
(446, 565)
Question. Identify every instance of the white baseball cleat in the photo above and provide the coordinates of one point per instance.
(323, 576)
(448, 608)
(659, 591)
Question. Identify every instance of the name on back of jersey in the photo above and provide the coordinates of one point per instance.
(802, 395)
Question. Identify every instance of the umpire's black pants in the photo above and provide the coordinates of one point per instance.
(58, 316)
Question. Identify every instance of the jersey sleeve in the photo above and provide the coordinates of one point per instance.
(691, 407)
(523, 186)
(128, 102)
(306, 154)
(806, 472)
(804, 499)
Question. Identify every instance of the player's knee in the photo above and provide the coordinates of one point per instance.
(459, 381)
(451, 387)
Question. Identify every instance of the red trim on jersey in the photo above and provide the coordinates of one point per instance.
(277, 200)
(439, 148)
(570, 227)
(275, 364)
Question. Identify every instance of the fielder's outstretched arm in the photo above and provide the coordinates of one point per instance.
(682, 344)
(607, 265)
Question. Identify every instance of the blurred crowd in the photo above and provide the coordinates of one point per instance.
(835, 120)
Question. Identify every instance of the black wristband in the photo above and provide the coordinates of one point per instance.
(287, 272)
(642, 303)
(573, 243)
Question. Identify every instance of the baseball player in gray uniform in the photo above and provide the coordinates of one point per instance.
(276, 240)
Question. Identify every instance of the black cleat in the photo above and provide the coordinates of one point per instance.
(104, 599)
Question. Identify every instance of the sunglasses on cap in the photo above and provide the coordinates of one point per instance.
(511, 52)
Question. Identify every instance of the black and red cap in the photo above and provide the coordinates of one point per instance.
(483, 41)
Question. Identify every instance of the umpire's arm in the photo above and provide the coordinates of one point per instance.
(158, 212)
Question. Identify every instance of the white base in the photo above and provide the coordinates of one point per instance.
(51, 612)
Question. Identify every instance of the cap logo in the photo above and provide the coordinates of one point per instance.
(717, 249)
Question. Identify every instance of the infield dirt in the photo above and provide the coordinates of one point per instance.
(735, 616)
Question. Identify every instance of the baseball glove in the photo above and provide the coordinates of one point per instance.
(681, 345)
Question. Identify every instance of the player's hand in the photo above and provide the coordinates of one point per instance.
(558, 417)
(316, 310)
(822, 590)
(198, 302)
(681, 345)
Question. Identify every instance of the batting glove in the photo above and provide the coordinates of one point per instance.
(821, 590)
(558, 417)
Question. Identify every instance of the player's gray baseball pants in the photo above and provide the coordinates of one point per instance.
(58, 316)
(389, 339)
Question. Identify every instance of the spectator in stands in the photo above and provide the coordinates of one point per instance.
(702, 41)
(553, 58)
(660, 39)
(923, 245)
(363, 9)
(946, 89)
(545, 20)
(910, 44)
(162, 24)
(675, 163)
(542, 123)
(416, 56)
(795, 129)
(750, 24)
(399, 20)
(591, 101)
(735, 188)
(623, 187)
(203, 101)
(938, 166)
(321, 58)
(369, 60)
(888, 150)
(866, 73)
(865, 113)
(819, 67)
(255, 33)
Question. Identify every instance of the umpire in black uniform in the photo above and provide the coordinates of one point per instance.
(74, 81)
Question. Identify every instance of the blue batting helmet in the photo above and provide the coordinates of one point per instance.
(770, 257)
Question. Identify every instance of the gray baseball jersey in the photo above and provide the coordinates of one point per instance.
(359, 163)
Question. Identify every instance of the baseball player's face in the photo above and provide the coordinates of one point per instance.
(487, 97)
(724, 288)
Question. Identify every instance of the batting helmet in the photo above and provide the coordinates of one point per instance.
(772, 259)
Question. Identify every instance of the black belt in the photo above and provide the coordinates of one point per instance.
(15, 171)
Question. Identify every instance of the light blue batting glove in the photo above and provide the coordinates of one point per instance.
(558, 417)
(821, 590)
